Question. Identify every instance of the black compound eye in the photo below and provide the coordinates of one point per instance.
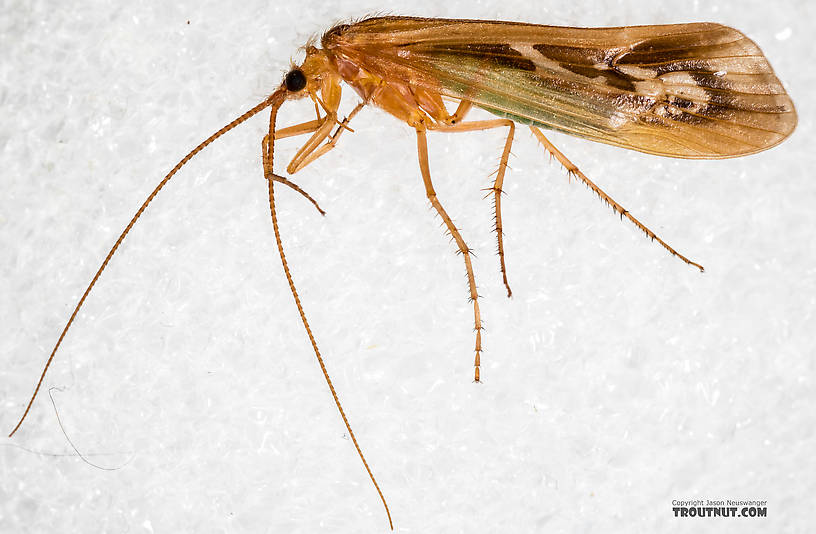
(295, 80)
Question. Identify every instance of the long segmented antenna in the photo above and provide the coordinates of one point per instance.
(268, 168)
(275, 98)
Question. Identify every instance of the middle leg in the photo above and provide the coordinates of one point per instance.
(424, 167)
(474, 126)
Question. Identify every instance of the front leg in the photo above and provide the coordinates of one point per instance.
(313, 149)
(269, 174)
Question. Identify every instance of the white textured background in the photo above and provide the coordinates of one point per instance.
(616, 379)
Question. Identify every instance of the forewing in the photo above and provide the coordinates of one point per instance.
(688, 90)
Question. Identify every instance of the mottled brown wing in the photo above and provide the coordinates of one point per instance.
(697, 90)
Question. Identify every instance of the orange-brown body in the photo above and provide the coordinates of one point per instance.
(687, 90)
